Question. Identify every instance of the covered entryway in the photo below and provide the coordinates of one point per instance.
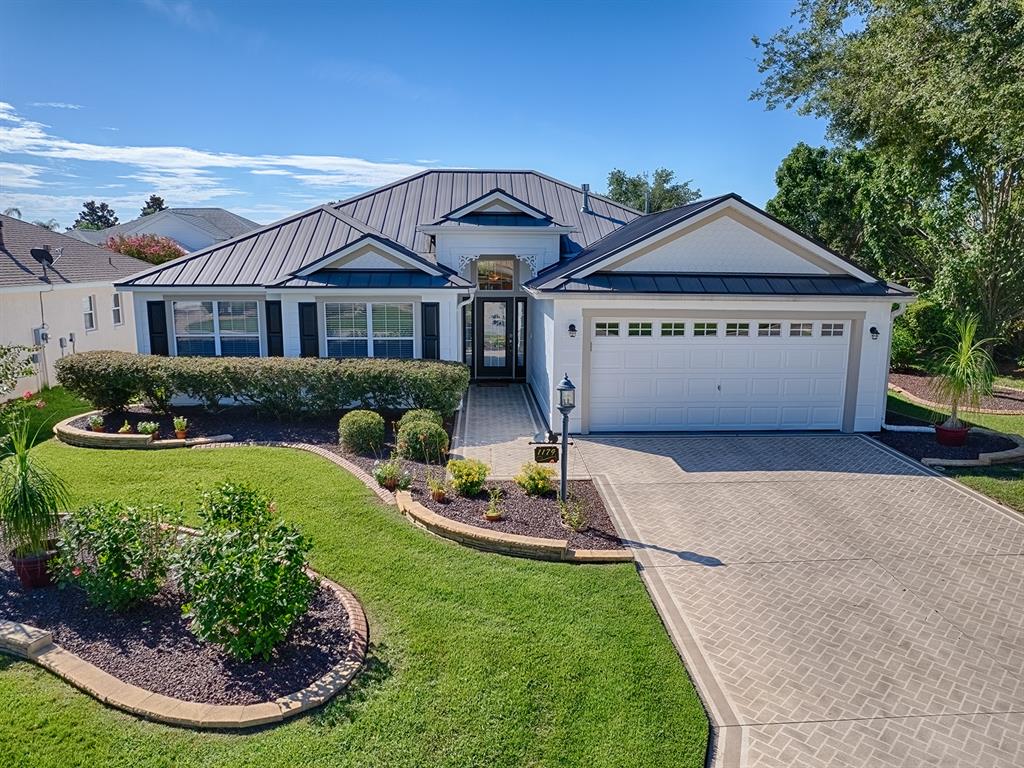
(670, 374)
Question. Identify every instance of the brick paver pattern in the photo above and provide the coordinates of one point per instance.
(853, 609)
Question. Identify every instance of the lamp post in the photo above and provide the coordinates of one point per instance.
(566, 402)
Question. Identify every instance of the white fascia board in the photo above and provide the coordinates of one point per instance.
(363, 243)
(730, 203)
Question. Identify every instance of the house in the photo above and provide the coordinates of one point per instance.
(57, 294)
(711, 316)
(191, 228)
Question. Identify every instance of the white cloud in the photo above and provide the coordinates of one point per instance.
(20, 175)
(108, 128)
(270, 172)
(183, 12)
(56, 105)
(428, 162)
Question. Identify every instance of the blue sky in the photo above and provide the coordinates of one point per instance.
(267, 109)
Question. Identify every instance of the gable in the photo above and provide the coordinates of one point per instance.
(366, 257)
(727, 242)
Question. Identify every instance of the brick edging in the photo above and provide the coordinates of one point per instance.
(86, 438)
(37, 646)
(504, 543)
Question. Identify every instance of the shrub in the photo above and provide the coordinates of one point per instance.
(279, 385)
(389, 474)
(468, 476)
(423, 440)
(147, 427)
(119, 555)
(918, 334)
(156, 249)
(536, 479)
(361, 431)
(572, 514)
(420, 414)
(244, 575)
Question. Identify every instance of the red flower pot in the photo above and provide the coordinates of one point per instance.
(180, 434)
(34, 570)
(951, 437)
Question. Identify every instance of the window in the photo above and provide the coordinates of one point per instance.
(496, 274)
(640, 329)
(769, 329)
(673, 329)
(801, 329)
(115, 310)
(606, 329)
(737, 329)
(705, 329)
(831, 329)
(217, 328)
(356, 329)
(89, 313)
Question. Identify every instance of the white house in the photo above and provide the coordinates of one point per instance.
(57, 294)
(711, 316)
(191, 228)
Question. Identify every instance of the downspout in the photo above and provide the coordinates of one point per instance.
(900, 309)
(462, 339)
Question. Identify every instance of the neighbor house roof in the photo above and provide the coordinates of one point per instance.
(729, 283)
(74, 260)
(394, 214)
(218, 223)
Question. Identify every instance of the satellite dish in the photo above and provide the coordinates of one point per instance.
(42, 255)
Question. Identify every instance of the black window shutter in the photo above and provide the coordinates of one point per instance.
(275, 330)
(309, 334)
(157, 316)
(431, 331)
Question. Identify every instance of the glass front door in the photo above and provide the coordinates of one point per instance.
(496, 342)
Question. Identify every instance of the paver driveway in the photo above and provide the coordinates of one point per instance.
(837, 604)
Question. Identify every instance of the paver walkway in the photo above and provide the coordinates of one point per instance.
(836, 604)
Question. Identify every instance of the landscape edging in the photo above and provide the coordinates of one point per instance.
(504, 543)
(939, 406)
(36, 645)
(87, 438)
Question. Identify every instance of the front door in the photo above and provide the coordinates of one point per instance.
(495, 348)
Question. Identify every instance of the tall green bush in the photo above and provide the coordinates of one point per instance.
(918, 335)
(284, 386)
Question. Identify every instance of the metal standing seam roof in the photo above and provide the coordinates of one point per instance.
(729, 283)
(79, 262)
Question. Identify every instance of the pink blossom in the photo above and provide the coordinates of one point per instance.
(27, 395)
(40, 404)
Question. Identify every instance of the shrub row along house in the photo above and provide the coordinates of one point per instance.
(710, 316)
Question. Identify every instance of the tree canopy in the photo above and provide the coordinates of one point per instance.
(154, 204)
(935, 90)
(660, 188)
(95, 216)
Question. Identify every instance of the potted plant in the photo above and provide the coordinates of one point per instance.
(389, 475)
(96, 423)
(150, 428)
(31, 499)
(493, 512)
(438, 488)
(963, 376)
(124, 429)
(180, 427)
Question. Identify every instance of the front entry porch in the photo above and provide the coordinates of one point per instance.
(494, 338)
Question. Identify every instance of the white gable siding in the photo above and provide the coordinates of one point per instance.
(369, 260)
(722, 245)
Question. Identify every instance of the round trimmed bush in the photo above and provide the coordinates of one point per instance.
(362, 431)
(420, 414)
(468, 476)
(422, 440)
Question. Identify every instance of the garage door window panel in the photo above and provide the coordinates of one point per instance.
(737, 329)
(673, 329)
(606, 329)
(705, 329)
(803, 330)
(769, 329)
(640, 329)
(832, 330)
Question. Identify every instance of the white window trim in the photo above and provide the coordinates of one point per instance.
(800, 324)
(640, 329)
(117, 309)
(612, 329)
(702, 333)
(741, 325)
(260, 322)
(90, 313)
(370, 341)
(676, 329)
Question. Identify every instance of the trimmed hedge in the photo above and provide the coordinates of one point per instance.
(362, 431)
(285, 386)
(423, 440)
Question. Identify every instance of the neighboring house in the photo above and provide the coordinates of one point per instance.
(711, 316)
(57, 294)
(191, 228)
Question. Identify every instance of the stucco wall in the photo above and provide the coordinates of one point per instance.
(61, 309)
(540, 342)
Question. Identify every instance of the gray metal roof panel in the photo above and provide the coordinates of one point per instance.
(727, 284)
(373, 279)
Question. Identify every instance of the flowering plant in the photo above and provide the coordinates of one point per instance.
(156, 249)
(389, 474)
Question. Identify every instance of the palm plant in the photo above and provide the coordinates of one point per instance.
(31, 495)
(964, 375)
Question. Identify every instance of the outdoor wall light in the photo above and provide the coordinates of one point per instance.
(874, 333)
(572, 330)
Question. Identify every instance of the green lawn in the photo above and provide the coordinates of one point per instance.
(477, 659)
(1013, 424)
(1014, 382)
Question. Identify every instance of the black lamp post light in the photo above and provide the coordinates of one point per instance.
(566, 403)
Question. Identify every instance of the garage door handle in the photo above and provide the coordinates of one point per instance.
(719, 387)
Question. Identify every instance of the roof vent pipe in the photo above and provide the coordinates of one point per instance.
(647, 201)
(586, 198)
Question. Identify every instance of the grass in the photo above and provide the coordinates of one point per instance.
(60, 404)
(1014, 382)
(1013, 424)
(477, 659)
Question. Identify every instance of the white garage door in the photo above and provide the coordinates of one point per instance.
(717, 374)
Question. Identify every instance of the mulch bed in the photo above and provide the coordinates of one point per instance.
(151, 646)
(919, 385)
(920, 445)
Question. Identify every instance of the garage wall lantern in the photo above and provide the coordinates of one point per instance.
(572, 330)
(874, 333)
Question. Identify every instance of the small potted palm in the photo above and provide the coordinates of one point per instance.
(963, 376)
(31, 499)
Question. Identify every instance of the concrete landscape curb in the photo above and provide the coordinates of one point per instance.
(938, 406)
(505, 543)
(86, 438)
(37, 645)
